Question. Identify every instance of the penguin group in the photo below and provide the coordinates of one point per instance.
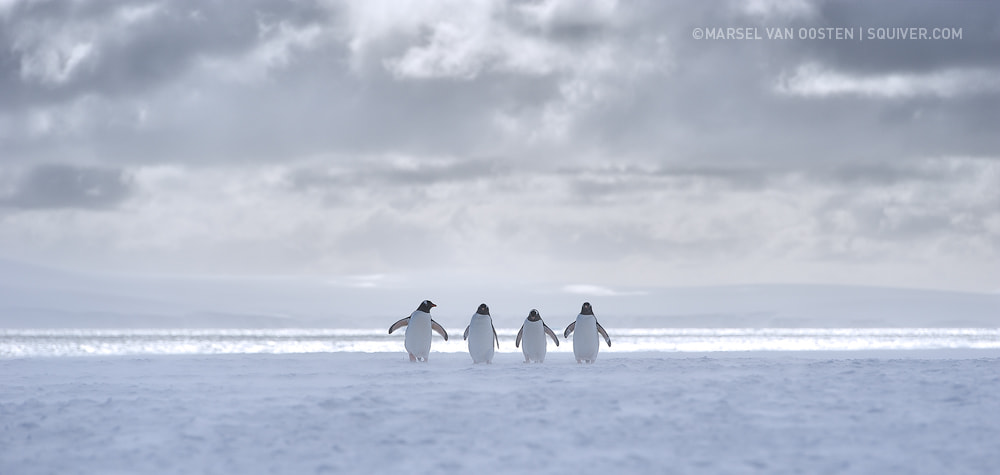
(482, 335)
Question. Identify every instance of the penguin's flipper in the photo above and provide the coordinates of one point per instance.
(438, 328)
(495, 337)
(569, 330)
(400, 324)
(551, 333)
(465, 336)
(517, 343)
(603, 333)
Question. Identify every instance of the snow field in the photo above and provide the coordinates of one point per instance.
(379, 413)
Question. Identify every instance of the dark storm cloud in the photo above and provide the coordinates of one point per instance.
(719, 103)
(978, 47)
(312, 104)
(620, 138)
(575, 25)
(666, 97)
(68, 186)
(131, 47)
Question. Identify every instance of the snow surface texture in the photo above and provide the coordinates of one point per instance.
(849, 412)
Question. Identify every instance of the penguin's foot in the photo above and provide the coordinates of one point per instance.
(413, 357)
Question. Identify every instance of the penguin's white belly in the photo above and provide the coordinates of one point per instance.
(481, 339)
(586, 342)
(418, 335)
(533, 341)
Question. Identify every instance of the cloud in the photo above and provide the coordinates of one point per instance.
(59, 51)
(68, 186)
(597, 291)
(524, 140)
(462, 40)
(362, 281)
(397, 171)
(690, 228)
(866, 55)
(293, 80)
(770, 9)
(811, 80)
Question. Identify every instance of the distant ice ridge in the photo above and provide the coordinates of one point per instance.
(21, 343)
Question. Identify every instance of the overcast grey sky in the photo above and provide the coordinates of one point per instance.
(594, 145)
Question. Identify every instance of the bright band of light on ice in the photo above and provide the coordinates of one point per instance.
(83, 342)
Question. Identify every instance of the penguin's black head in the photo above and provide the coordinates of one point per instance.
(586, 310)
(534, 316)
(483, 310)
(425, 306)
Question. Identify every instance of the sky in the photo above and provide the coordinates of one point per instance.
(589, 147)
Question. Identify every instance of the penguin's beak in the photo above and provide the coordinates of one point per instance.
(433, 305)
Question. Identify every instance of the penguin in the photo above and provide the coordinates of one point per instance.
(418, 331)
(478, 333)
(534, 330)
(585, 342)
